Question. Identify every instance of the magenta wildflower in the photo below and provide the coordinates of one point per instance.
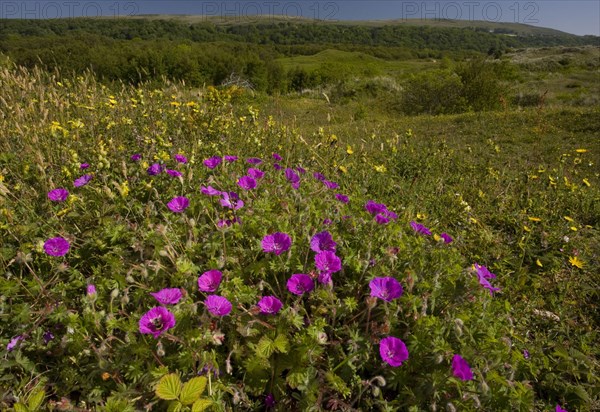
(254, 161)
(324, 278)
(328, 262)
(461, 369)
(386, 288)
(210, 280)
(447, 238)
(559, 409)
(227, 222)
(526, 354)
(173, 173)
(180, 158)
(135, 157)
(210, 191)
(393, 351)
(84, 166)
(327, 222)
(277, 166)
(58, 195)
(246, 183)
(47, 336)
(269, 305)
(300, 283)
(319, 176)
(300, 170)
(277, 158)
(276, 243)
(375, 208)
(156, 321)
(330, 184)
(420, 229)
(213, 162)
(82, 181)
(167, 296)
(322, 241)
(382, 219)
(342, 198)
(217, 305)
(231, 200)
(57, 246)
(154, 169)
(13, 342)
(255, 173)
(270, 401)
(483, 274)
(178, 204)
(292, 176)
(91, 290)
(230, 159)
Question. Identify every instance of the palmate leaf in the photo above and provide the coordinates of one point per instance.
(281, 344)
(169, 387)
(192, 390)
(265, 347)
(338, 384)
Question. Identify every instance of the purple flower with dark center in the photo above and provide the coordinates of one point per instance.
(327, 222)
(393, 351)
(136, 157)
(420, 229)
(277, 166)
(57, 246)
(461, 369)
(178, 204)
(375, 208)
(390, 215)
(327, 261)
(47, 336)
(300, 283)
(84, 166)
(559, 409)
(213, 162)
(156, 321)
(217, 305)
(277, 158)
(330, 184)
(230, 159)
(381, 219)
(91, 290)
(255, 173)
(227, 222)
(154, 169)
(173, 173)
(167, 296)
(386, 288)
(447, 238)
(270, 401)
(246, 183)
(180, 158)
(342, 198)
(13, 342)
(254, 161)
(82, 181)
(300, 170)
(318, 176)
(210, 191)
(322, 241)
(269, 305)
(291, 176)
(231, 200)
(58, 195)
(210, 280)
(526, 354)
(483, 272)
(276, 243)
(324, 278)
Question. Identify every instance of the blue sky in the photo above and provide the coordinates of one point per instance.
(573, 16)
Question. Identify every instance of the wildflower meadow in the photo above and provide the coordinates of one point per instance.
(188, 250)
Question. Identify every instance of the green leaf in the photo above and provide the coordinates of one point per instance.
(201, 405)
(338, 384)
(19, 407)
(174, 406)
(265, 347)
(36, 399)
(192, 390)
(281, 343)
(169, 387)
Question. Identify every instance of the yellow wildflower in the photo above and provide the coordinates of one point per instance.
(586, 182)
(537, 262)
(581, 150)
(575, 261)
(534, 219)
(380, 168)
(349, 150)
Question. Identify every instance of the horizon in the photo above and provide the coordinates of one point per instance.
(579, 17)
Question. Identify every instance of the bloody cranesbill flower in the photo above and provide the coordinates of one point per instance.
(136, 157)
(173, 173)
(447, 238)
(322, 241)
(375, 208)
(154, 169)
(386, 288)
(180, 158)
(342, 198)
(526, 354)
(292, 176)
(269, 305)
(270, 401)
(213, 162)
(230, 159)
(210, 191)
(47, 336)
(167, 296)
(255, 173)
(246, 183)
(330, 184)
(217, 305)
(277, 157)
(91, 290)
(178, 204)
(327, 222)
(559, 409)
(57, 246)
(13, 342)
(300, 283)
(483, 274)
(82, 181)
(328, 262)
(382, 219)
(393, 351)
(461, 369)
(84, 166)
(254, 161)
(210, 280)
(319, 176)
(231, 200)
(300, 170)
(419, 228)
(156, 321)
(277, 166)
(58, 195)
(276, 243)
